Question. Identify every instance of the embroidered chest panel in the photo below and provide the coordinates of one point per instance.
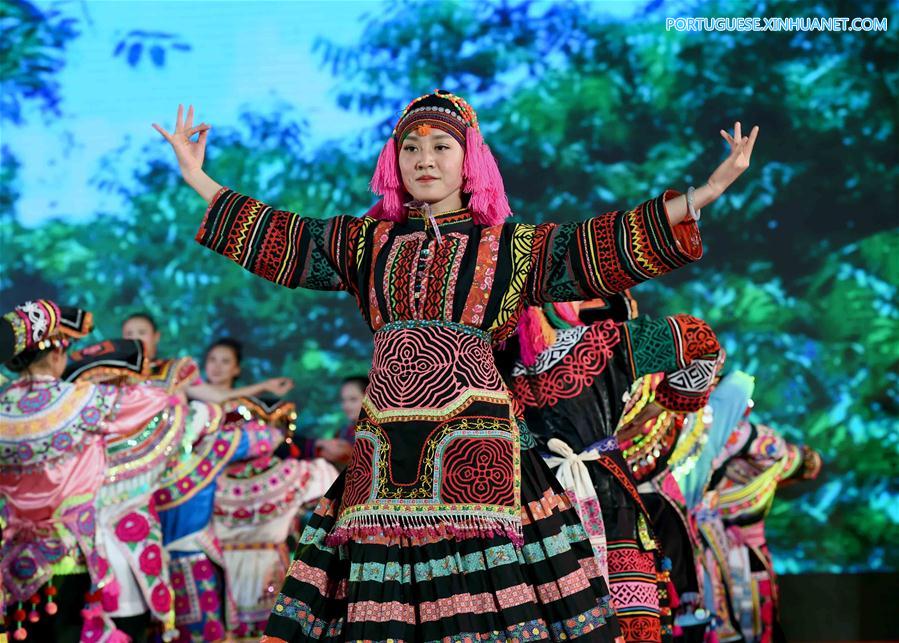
(476, 276)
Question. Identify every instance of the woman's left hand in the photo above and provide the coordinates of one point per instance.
(738, 160)
(726, 173)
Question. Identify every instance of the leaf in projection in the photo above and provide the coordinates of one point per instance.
(134, 52)
(157, 54)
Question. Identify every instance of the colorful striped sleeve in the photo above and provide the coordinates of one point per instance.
(609, 253)
(283, 247)
(683, 347)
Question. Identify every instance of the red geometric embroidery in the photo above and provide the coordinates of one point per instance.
(439, 289)
(614, 276)
(576, 371)
(427, 368)
(399, 273)
(630, 560)
(640, 629)
(271, 253)
(478, 470)
(359, 474)
(697, 339)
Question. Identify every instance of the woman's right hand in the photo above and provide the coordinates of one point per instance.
(278, 385)
(190, 154)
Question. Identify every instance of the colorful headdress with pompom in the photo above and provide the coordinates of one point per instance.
(38, 325)
(482, 181)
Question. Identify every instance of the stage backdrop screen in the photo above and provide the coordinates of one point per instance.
(588, 107)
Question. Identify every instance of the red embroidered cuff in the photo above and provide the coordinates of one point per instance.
(686, 234)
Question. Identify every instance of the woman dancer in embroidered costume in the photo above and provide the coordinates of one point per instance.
(184, 496)
(647, 435)
(257, 501)
(53, 438)
(571, 379)
(649, 446)
(674, 488)
(222, 366)
(204, 604)
(446, 525)
(126, 517)
(755, 461)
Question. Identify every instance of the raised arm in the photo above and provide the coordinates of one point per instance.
(608, 253)
(134, 406)
(281, 246)
(724, 175)
(216, 395)
(191, 154)
(767, 448)
(612, 252)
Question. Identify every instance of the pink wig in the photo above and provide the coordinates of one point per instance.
(386, 183)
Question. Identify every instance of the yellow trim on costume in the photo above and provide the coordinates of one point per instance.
(292, 239)
(756, 495)
(367, 222)
(591, 244)
(450, 410)
(174, 416)
(522, 264)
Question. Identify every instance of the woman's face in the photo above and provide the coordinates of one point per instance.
(221, 366)
(431, 167)
(140, 328)
(351, 395)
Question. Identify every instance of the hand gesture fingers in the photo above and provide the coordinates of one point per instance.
(190, 154)
(738, 142)
(201, 140)
(736, 163)
(750, 142)
(164, 133)
(202, 127)
(280, 385)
